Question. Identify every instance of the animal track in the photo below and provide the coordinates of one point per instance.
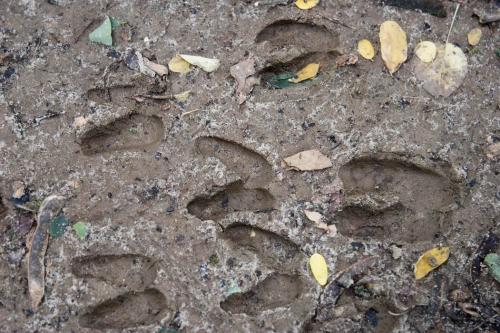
(110, 94)
(252, 168)
(134, 272)
(313, 38)
(234, 198)
(276, 290)
(132, 132)
(421, 199)
(127, 310)
(273, 250)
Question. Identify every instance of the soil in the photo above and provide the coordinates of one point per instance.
(194, 223)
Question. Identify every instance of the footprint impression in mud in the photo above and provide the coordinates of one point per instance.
(140, 305)
(284, 285)
(390, 198)
(303, 41)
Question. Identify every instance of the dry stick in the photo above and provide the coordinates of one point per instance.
(451, 26)
(49, 209)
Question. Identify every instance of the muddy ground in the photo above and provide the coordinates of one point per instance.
(194, 223)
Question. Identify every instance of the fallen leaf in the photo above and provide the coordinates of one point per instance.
(313, 216)
(58, 226)
(306, 73)
(183, 96)
(426, 51)
(493, 151)
(79, 122)
(308, 160)
(207, 64)
(178, 65)
(365, 49)
(50, 208)
(102, 34)
(446, 73)
(242, 73)
(306, 4)
(393, 45)
(81, 230)
(431, 260)
(474, 36)
(492, 260)
(142, 65)
(157, 68)
(319, 268)
(331, 230)
(346, 60)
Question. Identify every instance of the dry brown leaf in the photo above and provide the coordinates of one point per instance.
(49, 209)
(242, 73)
(308, 160)
(157, 68)
(445, 74)
(393, 45)
(346, 60)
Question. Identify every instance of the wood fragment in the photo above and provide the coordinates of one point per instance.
(487, 17)
(49, 209)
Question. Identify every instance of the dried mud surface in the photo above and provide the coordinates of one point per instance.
(194, 224)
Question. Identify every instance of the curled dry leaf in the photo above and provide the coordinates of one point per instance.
(143, 68)
(365, 49)
(242, 73)
(493, 151)
(393, 45)
(446, 73)
(426, 51)
(308, 160)
(346, 60)
(306, 4)
(207, 64)
(474, 36)
(331, 230)
(306, 73)
(319, 268)
(431, 260)
(157, 68)
(49, 209)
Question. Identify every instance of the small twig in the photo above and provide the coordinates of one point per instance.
(157, 97)
(451, 26)
(189, 112)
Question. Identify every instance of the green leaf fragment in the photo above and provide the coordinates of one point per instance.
(58, 226)
(280, 81)
(492, 260)
(115, 23)
(102, 34)
(81, 230)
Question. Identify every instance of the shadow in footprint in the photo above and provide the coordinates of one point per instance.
(3, 209)
(133, 132)
(110, 94)
(233, 198)
(131, 271)
(253, 169)
(424, 199)
(127, 310)
(276, 290)
(313, 38)
(273, 250)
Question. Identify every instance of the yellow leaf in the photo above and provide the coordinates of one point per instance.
(306, 73)
(183, 96)
(426, 51)
(474, 36)
(365, 49)
(393, 45)
(178, 65)
(306, 4)
(431, 260)
(207, 64)
(319, 268)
